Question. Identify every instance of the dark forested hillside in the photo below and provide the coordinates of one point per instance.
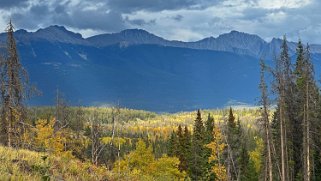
(137, 76)
(134, 68)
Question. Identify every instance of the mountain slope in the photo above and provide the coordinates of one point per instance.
(144, 76)
(142, 71)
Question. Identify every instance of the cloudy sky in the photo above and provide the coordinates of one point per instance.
(186, 20)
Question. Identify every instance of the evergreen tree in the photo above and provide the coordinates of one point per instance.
(181, 154)
(246, 169)
(308, 92)
(209, 124)
(187, 143)
(198, 161)
(283, 87)
(231, 121)
(244, 161)
(297, 122)
(232, 147)
(173, 145)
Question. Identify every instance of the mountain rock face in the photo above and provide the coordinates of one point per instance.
(234, 42)
(143, 71)
(127, 37)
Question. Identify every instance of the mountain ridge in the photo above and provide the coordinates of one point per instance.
(234, 41)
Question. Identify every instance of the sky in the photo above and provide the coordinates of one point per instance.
(186, 20)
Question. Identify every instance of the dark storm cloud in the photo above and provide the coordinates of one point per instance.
(12, 3)
(140, 22)
(174, 19)
(59, 9)
(158, 5)
(100, 20)
(31, 19)
(98, 15)
(178, 17)
(255, 13)
(39, 10)
(78, 16)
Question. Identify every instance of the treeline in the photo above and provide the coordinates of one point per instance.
(292, 135)
(291, 147)
(214, 152)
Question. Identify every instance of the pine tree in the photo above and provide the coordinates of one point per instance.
(173, 145)
(282, 85)
(198, 161)
(231, 121)
(187, 143)
(244, 160)
(297, 123)
(308, 90)
(209, 125)
(181, 153)
(232, 147)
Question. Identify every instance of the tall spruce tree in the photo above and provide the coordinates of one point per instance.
(209, 125)
(308, 92)
(173, 145)
(232, 147)
(282, 77)
(198, 161)
(293, 120)
(187, 143)
(298, 121)
(181, 154)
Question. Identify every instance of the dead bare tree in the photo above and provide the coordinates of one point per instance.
(266, 123)
(96, 145)
(14, 87)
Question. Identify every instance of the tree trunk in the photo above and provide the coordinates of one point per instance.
(264, 100)
(282, 141)
(306, 137)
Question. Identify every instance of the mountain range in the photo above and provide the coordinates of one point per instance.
(140, 70)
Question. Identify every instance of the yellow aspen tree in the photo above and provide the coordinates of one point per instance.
(217, 147)
(46, 139)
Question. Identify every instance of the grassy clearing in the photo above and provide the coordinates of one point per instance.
(29, 165)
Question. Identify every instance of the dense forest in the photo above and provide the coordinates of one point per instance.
(277, 140)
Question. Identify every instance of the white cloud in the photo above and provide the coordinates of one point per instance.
(277, 4)
(86, 32)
